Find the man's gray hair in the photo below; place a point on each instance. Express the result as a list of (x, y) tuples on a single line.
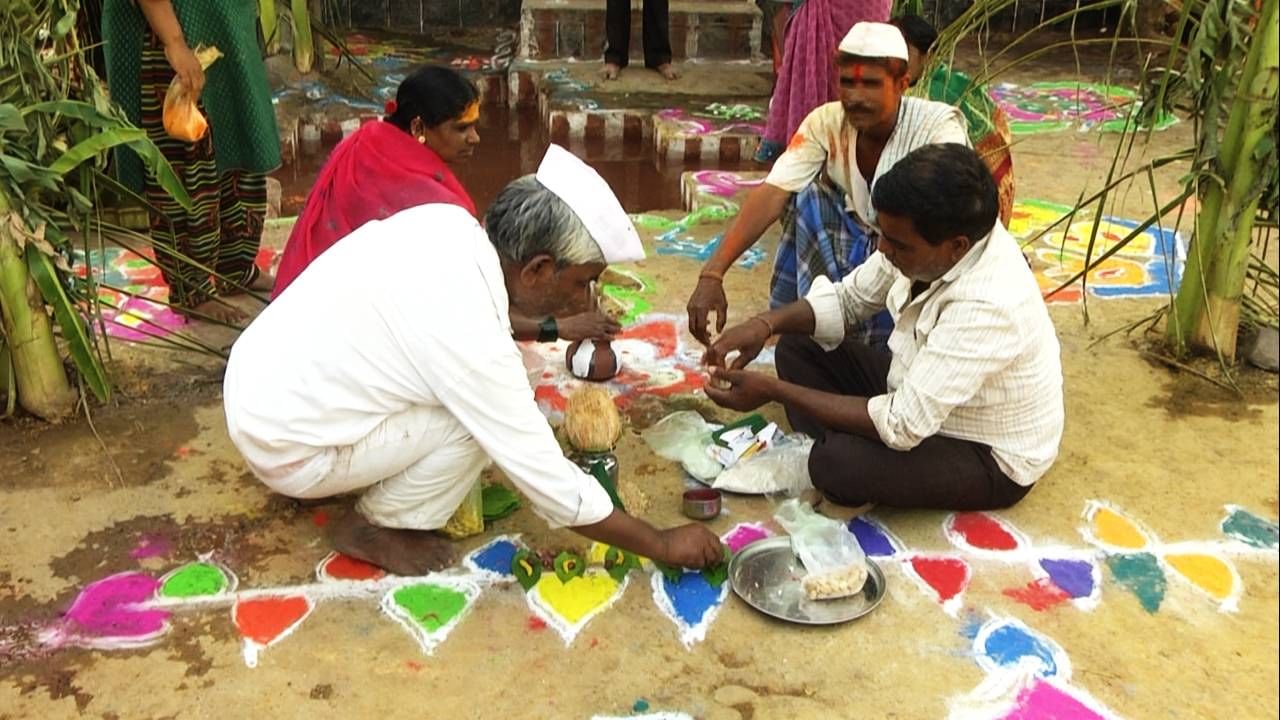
[(527, 220)]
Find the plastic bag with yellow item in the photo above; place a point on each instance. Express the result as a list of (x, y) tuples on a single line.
[(182, 119), (468, 519)]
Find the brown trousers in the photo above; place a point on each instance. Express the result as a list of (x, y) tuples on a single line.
[(940, 473)]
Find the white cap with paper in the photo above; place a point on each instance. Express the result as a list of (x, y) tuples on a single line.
[(593, 201)]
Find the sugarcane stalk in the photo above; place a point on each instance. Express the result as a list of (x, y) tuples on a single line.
[(270, 26), (1207, 308), (42, 386), (304, 52)]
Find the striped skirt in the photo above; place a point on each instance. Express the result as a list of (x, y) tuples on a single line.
[(209, 249)]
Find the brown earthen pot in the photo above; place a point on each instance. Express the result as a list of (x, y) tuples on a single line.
[(593, 360)]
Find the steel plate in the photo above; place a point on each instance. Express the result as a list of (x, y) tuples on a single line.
[(766, 574)]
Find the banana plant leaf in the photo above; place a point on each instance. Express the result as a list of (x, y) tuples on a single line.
[(82, 348)]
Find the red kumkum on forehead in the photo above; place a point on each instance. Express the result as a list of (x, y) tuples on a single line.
[(857, 72)]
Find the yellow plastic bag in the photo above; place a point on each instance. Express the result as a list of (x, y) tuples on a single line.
[(182, 119), (468, 519)]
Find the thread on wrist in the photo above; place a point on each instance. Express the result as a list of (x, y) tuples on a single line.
[(711, 275), (767, 324)]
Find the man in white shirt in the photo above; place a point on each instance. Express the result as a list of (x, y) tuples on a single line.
[(401, 379), (821, 186), (967, 413)]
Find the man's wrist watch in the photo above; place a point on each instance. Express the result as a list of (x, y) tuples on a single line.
[(548, 331)]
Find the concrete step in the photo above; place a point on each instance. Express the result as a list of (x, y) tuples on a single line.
[(700, 29), (714, 112), (702, 189)]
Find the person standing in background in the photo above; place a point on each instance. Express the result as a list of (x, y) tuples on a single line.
[(149, 42), (655, 33)]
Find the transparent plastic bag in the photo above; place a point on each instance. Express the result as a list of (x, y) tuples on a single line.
[(783, 468), (181, 116), (684, 437), (836, 565), (468, 519)]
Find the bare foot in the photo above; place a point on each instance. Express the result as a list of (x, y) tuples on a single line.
[(218, 311), (403, 552), (610, 71), (668, 71), (262, 282)]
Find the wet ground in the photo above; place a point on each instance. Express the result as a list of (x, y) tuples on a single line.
[(1175, 612)]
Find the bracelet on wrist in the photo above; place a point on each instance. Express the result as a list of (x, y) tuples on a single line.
[(548, 330), (711, 275), (768, 325)]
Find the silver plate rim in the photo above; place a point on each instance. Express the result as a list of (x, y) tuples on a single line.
[(874, 573)]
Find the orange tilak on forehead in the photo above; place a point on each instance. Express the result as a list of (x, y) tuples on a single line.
[(857, 72), (471, 113)]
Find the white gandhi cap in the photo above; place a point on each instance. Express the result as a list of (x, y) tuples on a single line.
[(874, 40), (592, 200)]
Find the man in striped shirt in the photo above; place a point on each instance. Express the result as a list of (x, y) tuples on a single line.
[(821, 186), (967, 413)]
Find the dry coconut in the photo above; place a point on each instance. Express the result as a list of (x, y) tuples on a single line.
[(591, 420)]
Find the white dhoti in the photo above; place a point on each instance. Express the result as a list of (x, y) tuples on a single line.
[(417, 467)]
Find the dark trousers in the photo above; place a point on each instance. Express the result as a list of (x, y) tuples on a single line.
[(940, 473), (654, 31)]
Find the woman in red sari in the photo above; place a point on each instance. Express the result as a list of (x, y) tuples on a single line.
[(402, 161), (390, 165)]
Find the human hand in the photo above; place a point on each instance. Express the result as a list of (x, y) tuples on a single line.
[(708, 296), (187, 67), (691, 545), (747, 339), (740, 390), (592, 325)]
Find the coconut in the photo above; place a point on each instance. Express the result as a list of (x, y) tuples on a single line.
[(591, 420)]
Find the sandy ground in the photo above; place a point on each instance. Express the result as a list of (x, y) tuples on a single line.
[(1168, 450)]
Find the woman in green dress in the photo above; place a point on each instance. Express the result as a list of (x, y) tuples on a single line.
[(147, 44)]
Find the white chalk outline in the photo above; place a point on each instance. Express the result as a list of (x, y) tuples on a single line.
[(895, 542), (997, 695), (322, 571), (485, 575), (429, 639), (952, 605), (1091, 508), (761, 527), (958, 540), (252, 648), (569, 631), (1229, 604), (1088, 603), (233, 581), (1060, 658), (1235, 539), (62, 635), (666, 715), (690, 635)]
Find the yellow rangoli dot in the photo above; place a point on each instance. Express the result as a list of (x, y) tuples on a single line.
[(1208, 573), (1115, 529)]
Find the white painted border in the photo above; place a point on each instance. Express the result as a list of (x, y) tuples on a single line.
[(690, 635), (429, 639), (569, 631)]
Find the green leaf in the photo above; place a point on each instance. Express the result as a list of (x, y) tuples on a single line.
[(527, 568), (718, 573), (95, 146), (163, 172), (11, 118), (671, 573), (64, 25), (82, 348), (569, 565), (76, 109), (619, 562), (497, 502)]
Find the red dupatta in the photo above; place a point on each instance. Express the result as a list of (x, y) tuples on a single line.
[(373, 174)]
